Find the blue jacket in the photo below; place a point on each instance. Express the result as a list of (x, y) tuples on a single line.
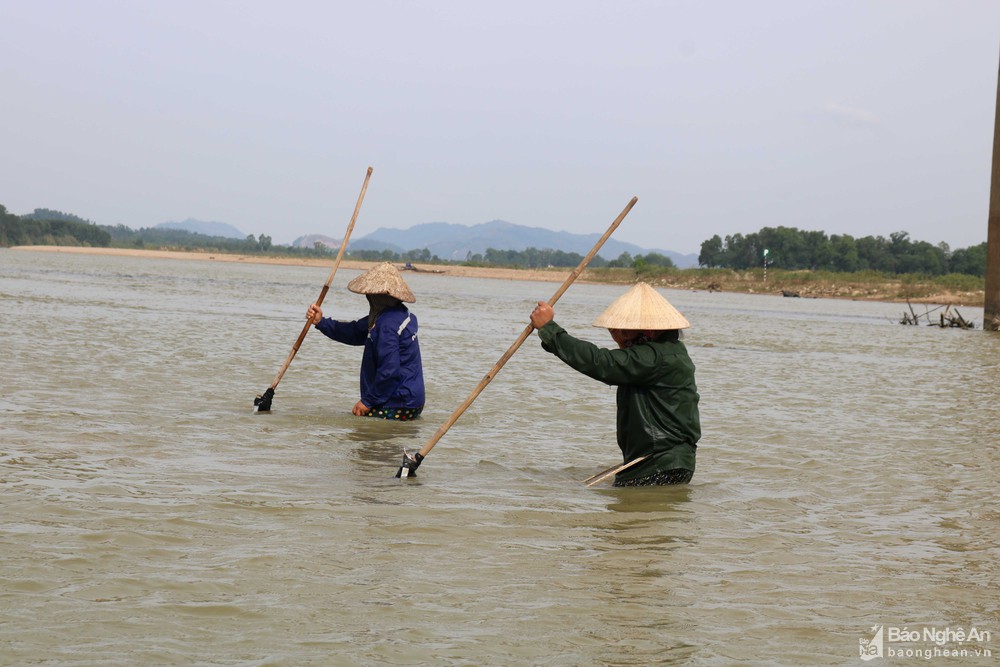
[(391, 373)]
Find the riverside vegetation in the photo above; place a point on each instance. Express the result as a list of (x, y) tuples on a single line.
[(800, 263), (955, 289)]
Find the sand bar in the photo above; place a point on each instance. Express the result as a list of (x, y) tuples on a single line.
[(553, 275), (890, 291)]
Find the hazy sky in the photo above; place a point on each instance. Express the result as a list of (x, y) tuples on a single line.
[(846, 116)]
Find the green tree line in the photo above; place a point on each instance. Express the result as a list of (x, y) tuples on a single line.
[(787, 248), (159, 237), (45, 227), (793, 249), (529, 258), (49, 227)]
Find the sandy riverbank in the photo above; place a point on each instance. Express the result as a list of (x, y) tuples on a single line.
[(889, 291), (554, 275)]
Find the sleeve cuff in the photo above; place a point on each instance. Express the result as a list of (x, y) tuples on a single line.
[(549, 331)]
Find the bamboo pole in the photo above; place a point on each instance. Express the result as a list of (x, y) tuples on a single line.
[(412, 462), (262, 403), (991, 307)]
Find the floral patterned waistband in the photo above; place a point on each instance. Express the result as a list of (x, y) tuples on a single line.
[(400, 414)]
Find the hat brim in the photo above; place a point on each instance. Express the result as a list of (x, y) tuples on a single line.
[(382, 278), (641, 308)]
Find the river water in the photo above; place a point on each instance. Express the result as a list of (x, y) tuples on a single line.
[(847, 480)]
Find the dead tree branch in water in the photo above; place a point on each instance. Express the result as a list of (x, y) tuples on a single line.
[(945, 320)]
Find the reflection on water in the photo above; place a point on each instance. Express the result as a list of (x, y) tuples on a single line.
[(846, 479), (665, 503)]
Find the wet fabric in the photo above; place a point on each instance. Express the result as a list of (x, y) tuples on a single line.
[(657, 397), (399, 414), (664, 477)]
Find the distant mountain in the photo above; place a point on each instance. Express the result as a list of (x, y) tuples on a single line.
[(310, 241), (207, 228), (365, 243), (456, 242)]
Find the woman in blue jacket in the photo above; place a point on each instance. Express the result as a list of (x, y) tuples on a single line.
[(392, 376)]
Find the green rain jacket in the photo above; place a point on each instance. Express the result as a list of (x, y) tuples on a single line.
[(657, 396)]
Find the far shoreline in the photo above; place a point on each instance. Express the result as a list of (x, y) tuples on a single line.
[(685, 282), (320, 262)]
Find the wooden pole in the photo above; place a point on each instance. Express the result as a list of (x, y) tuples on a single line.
[(991, 307), (613, 470), (329, 279), (410, 464), (262, 403), (528, 330)]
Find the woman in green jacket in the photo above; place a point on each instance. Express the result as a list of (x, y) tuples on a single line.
[(657, 397)]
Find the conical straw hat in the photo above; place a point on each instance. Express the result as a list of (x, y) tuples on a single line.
[(641, 309), (382, 278)]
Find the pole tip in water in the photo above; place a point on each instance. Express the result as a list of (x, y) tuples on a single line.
[(410, 464), (263, 401)]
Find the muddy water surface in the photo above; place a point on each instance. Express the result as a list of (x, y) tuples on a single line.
[(847, 479)]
